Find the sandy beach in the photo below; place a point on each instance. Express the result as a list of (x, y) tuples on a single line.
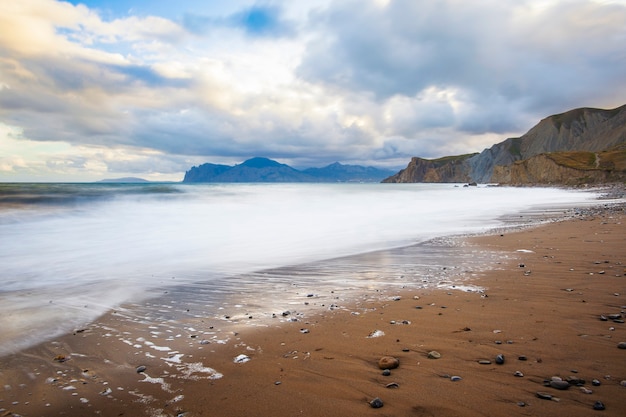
[(553, 306)]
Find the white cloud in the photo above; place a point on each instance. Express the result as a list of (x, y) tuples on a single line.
[(370, 81)]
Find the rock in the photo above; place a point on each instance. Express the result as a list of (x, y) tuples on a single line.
[(386, 372), (596, 382), (562, 385), (388, 362), (376, 403), (141, 369), (455, 378), (433, 354), (392, 385), (484, 362), (500, 359), (599, 405), (518, 374), (586, 390), (543, 395), (522, 358), (621, 345)]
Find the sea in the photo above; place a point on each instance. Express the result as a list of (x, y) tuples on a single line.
[(70, 253)]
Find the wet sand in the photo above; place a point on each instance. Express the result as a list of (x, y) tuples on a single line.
[(543, 301)]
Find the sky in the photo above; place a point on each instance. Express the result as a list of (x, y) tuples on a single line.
[(149, 88)]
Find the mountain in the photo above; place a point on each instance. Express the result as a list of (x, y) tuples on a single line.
[(536, 156), (337, 172), (123, 180), (267, 170)]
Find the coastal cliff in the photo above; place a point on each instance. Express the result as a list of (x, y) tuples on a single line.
[(517, 161)]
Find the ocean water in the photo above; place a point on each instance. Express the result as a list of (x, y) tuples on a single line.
[(70, 252)]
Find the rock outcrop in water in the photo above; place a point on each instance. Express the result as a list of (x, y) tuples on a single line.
[(580, 146)]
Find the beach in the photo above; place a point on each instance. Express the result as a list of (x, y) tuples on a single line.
[(552, 305)]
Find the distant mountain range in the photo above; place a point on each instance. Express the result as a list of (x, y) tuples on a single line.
[(581, 146), (261, 169)]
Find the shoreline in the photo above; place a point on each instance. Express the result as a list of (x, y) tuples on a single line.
[(325, 364)]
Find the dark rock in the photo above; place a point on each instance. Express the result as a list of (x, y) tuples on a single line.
[(500, 359), (562, 385), (386, 372), (376, 403), (392, 385), (596, 382), (599, 405), (518, 374), (141, 369), (522, 358), (543, 395), (455, 378), (621, 345)]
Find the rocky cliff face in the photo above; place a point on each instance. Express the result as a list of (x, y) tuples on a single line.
[(449, 169), (584, 129), (566, 168)]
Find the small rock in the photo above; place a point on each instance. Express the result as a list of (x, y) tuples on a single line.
[(141, 369), (455, 378), (386, 372), (623, 383), (498, 342), (433, 354), (586, 390), (392, 385), (500, 359), (518, 374), (484, 362), (388, 362), (562, 385), (376, 403), (522, 358), (544, 395), (621, 345), (599, 405), (277, 383), (304, 331), (521, 404), (596, 382)]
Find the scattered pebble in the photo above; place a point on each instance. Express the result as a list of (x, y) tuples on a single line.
[(376, 333), (386, 372), (518, 374), (596, 382), (455, 378), (141, 369), (392, 385), (522, 358), (376, 403), (304, 331), (388, 362), (621, 345), (559, 384), (586, 390), (599, 405), (433, 354), (544, 395), (500, 359), (484, 362)]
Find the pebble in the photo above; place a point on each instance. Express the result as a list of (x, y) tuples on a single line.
[(623, 383), (392, 385), (304, 331), (500, 359), (388, 362), (376, 403), (484, 362), (586, 390), (522, 358), (141, 369), (433, 354), (596, 382), (562, 385), (621, 345), (386, 372), (544, 395), (455, 378), (518, 374), (599, 405)]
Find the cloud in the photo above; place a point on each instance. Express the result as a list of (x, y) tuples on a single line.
[(533, 56), (353, 81)]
